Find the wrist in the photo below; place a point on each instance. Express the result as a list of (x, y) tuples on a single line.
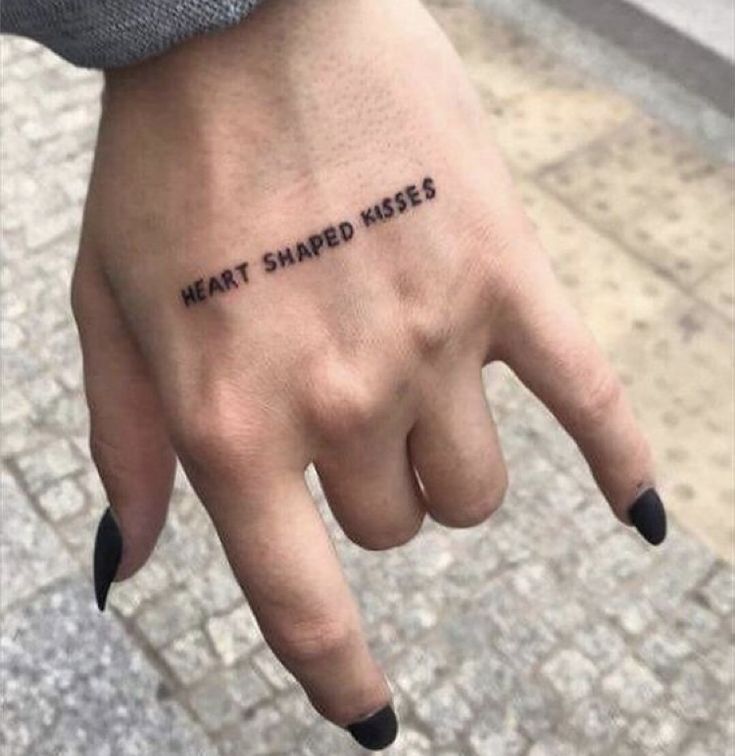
[(273, 55), (322, 77)]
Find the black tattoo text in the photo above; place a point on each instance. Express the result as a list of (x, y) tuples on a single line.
[(310, 247)]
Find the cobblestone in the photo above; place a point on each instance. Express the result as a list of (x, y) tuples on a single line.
[(691, 693), (632, 686), (169, 618), (550, 631), (234, 635), (598, 721), (31, 554), (660, 732), (271, 670), (222, 698), (601, 644), (445, 712), (572, 674), (48, 465), (719, 592), (85, 687), (537, 710), (264, 732), (62, 500), (552, 747), (663, 651), (489, 740), (190, 657)]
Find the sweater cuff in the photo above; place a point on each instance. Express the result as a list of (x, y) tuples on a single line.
[(114, 33)]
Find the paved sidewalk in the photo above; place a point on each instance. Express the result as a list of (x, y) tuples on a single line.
[(712, 24), (549, 631)]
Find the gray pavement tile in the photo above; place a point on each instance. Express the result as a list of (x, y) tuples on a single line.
[(572, 674), (632, 686), (63, 499), (720, 661), (663, 651), (225, 697), (596, 720), (552, 746), (48, 465), (19, 437), (445, 713), (719, 592), (692, 694), (660, 731), (713, 741), (537, 710), (261, 733), (169, 618), (600, 643), (31, 554), (234, 635), (323, 739), (271, 670), (631, 612), (78, 685), (412, 742), (492, 740), (190, 657)]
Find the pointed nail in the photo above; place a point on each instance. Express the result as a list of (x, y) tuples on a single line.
[(376, 732), (107, 555), (649, 517)]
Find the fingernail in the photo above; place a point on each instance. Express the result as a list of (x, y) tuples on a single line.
[(649, 516), (107, 553), (376, 732)]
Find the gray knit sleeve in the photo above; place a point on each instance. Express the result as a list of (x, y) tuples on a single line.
[(112, 33)]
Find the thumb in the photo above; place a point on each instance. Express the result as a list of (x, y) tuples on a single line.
[(128, 440)]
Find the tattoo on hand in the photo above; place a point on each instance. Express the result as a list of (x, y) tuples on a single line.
[(313, 246)]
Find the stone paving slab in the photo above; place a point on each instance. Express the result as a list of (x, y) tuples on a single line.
[(32, 555), (550, 630), (75, 683), (655, 194)]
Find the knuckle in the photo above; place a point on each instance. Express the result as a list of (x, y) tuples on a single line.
[(430, 332), (203, 439), (315, 640), (209, 432), (346, 403), (427, 314), (601, 399)]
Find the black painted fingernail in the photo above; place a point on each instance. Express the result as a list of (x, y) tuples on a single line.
[(649, 516), (377, 731), (107, 553)]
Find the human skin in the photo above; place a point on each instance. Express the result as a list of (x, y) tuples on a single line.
[(365, 358)]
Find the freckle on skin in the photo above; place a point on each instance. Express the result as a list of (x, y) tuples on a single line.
[(402, 389), (405, 286)]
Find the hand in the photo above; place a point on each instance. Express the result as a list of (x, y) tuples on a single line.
[(300, 244)]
